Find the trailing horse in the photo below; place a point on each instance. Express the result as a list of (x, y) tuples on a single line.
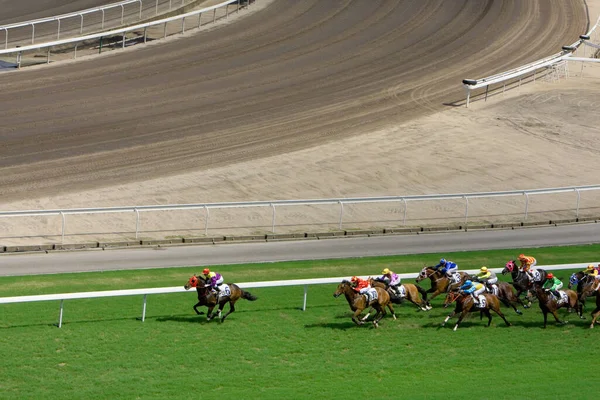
[(548, 304), (439, 281), (358, 303), (465, 304), (508, 297), (412, 293), (206, 297), (586, 285), (596, 312)]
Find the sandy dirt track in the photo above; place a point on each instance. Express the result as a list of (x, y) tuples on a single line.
[(306, 99)]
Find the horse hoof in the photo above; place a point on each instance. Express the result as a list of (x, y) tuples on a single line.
[(519, 312)]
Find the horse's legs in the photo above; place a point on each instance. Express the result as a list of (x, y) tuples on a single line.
[(231, 309), (489, 315), (501, 314), (595, 315), (356, 315), (196, 309), (460, 318), (391, 308), (452, 314), (545, 317), (507, 302), (209, 315), (556, 318)]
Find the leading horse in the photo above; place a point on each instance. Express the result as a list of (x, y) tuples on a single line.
[(548, 304), (440, 283), (209, 299), (358, 303), (465, 304), (413, 294)]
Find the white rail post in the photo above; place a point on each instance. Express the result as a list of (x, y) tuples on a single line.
[(214, 15), (466, 209), (305, 295), (206, 217), (5, 38), (58, 30), (140, 10), (122, 13), (526, 205), (182, 25), (124, 38), (63, 227), (578, 199), (341, 213), (81, 25), (199, 20), (32, 33), (137, 222), (405, 209), (273, 218), (60, 314), (103, 18), (144, 309), (156, 9)]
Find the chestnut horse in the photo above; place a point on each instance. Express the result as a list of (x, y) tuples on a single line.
[(548, 304), (506, 294), (358, 303), (439, 281), (465, 304), (596, 312), (207, 298), (413, 294)]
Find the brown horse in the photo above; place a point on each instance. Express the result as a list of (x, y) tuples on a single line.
[(548, 304), (413, 294), (439, 281), (586, 285), (207, 298), (358, 303), (596, 312), (506, 294), (465, 304)]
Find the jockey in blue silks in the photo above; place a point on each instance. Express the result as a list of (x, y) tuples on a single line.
[(448, 267)]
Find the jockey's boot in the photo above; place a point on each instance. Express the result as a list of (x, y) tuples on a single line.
[(556, 295), (475, 300)]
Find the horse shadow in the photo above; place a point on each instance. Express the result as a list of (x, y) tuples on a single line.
[(342, 326)]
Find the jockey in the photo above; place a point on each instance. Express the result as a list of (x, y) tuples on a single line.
[(553, 284), (213, 279), (487, 277), (448, 267), (360, 285), (474, 289), (527, 264), (592, 271), (392, 279)]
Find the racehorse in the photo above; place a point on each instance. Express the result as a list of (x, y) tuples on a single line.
[(596, 312), (520, 280), (508, 297), (413, 294), (209, 299), (548, 304), (358, 303), (586, 285), (439, 281), (465, 304)]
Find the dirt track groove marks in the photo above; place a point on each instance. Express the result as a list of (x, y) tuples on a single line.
[(291, 76)]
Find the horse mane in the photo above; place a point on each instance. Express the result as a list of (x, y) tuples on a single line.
[(346, 281)]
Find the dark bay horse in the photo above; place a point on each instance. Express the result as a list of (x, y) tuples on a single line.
[(548, 304), (586, 285), (358, 303), (465, 304), (596, 312), (520, 280), (209, 299), (413, 294), (506, 294), (439, 281)]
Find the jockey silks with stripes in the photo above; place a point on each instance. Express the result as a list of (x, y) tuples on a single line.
[(448, 267), (213, 279), (392, 279), (527, 264)]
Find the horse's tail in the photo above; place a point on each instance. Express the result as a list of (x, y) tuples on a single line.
[(422, 291), (248, 296)]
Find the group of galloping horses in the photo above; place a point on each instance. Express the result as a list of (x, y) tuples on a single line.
[(508, 294)]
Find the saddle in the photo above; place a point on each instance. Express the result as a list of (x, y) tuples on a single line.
[(563, 297), (371, 296), (482, 301), (455, 277)]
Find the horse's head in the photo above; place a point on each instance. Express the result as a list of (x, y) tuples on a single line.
[(194, 282), (509, 267), (342, 288), (451, 298), (425, 273), (573, 280)]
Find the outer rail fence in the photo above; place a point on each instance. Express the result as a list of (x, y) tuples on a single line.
[(273, 205), (553, 63), (179, 289), (133, 30)]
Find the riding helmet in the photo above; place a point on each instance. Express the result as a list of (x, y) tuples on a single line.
[(483, 269), (550, 275), (206, 271), (386, 271), (443, 261)]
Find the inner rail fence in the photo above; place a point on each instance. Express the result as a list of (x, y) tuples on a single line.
[(551, 68), (86, 21), (248, 285), (462, 210), (122, 36)]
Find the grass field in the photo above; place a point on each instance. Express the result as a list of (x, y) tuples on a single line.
[(271, 349)]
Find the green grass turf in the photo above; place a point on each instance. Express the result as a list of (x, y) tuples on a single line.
[(272, 349)]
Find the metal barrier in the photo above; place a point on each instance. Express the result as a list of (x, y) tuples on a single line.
[(92, 19), (179, 289)]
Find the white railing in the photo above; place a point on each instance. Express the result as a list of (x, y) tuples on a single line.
[(123, 31), (248, 285), (528, 69), (274, 204), (97, 18)]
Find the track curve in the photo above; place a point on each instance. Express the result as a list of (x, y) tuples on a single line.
[(292, 76)]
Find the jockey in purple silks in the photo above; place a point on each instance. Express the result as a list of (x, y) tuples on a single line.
[(213, 279)]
